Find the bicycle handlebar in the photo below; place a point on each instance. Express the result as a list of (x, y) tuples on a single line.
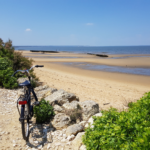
[(27, 70), (39, 66)]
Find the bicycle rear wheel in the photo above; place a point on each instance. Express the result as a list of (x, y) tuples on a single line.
[(25, 121)]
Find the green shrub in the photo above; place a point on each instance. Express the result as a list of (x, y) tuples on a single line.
[(6, 49), (5, 63), (21, 62), (6, 72), (10, 61), (126, 130), (43, 112)]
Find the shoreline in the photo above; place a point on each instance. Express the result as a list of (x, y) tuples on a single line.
[(115, 89)]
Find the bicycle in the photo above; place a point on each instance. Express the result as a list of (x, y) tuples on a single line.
[(26, 112)]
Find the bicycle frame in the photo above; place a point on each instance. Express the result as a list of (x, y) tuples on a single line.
[(27, 98), (24, 100)]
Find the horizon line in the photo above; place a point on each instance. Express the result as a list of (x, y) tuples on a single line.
[(82, 45)]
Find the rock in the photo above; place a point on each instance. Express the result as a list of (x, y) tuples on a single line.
[(20, 92), (63, 140), (57, 144), (89, 109), (74, 129), (14, 145), (52, 133), (39, 88), (36, 142), (44, 93), (77, 142), (39, 146), (21, 80), (68, 143), (60, 97), (91, 120), (72, 105), (83, 147), (61, 121), (70, 137), (83, 123), (64, 135), (48, 146), (58, 109)]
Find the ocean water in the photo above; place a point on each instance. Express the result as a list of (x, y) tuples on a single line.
[(91, 49), (98, 50), (106, 68)]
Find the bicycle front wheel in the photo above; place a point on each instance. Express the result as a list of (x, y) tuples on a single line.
[(25, 122)]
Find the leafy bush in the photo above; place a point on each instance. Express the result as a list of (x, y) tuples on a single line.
[(21, 62), (43, 112), (6, 49), (126, 130), (6, 72), (10, 61)]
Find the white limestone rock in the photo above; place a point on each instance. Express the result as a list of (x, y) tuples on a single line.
[(70, 137), (83, 147), (77, 142), (58, 109), (60, 97), (61, 121), (89, 109), (74, 129), (73, 105), (91, 120)]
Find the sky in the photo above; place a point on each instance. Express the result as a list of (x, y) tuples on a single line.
[(75, 22)]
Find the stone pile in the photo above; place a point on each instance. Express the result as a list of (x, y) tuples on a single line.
[(64, 132), (68, 132)]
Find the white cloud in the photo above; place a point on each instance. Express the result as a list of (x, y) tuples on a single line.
[(89, 24), (28, 29)]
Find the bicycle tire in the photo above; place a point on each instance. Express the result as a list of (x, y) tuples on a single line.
[(25, 122)]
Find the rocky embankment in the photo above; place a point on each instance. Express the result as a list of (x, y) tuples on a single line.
[(65, 130)]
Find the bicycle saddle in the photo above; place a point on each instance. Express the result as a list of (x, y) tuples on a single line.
[(26, 83)]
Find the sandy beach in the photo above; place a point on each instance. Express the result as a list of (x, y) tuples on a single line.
[(108, 89)]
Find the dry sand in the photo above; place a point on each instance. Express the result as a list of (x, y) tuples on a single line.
[(106, 88)]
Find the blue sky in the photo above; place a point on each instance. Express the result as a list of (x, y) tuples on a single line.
[(75, 22)]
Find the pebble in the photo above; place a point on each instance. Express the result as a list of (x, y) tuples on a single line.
[(63, 140), (57, 144), (52, 133), (48, 146), (64, 135), (71, 137), (36, 142), (39, 146), (14, 141), (14, 145), (68, 143)]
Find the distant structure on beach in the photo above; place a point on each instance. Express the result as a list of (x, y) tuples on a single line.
[(44, 51)]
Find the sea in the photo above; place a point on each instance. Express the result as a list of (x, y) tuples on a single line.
[(91, 49), (108, 50)]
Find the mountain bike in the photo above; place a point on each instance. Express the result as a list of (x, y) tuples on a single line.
[(26, 111)]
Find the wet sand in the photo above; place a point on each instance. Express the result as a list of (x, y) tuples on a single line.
[(106, 88)]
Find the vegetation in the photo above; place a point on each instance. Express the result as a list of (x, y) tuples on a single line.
[(6, 71), (10, 61), (126, 130), (43, 112)]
